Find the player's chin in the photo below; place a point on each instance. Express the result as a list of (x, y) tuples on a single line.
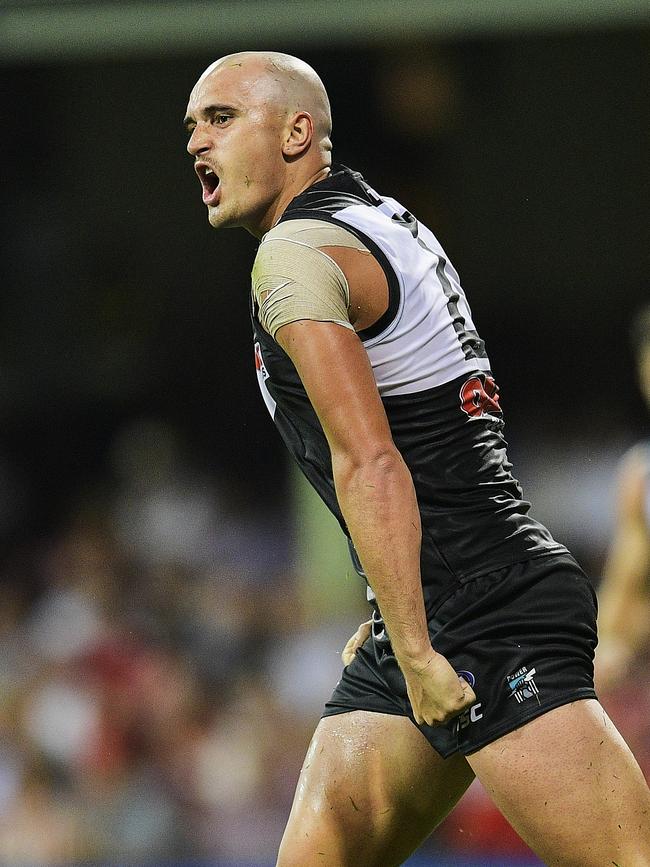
[(217, 217), (220, 219)]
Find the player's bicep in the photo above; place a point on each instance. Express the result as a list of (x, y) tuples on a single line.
[(335, 370), (293, 281)]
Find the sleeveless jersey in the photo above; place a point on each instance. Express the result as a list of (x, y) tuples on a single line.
[(433, 376)]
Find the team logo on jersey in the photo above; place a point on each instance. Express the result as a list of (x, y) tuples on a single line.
[(259, 362), (262, 376), (522, 684), (479, 396)]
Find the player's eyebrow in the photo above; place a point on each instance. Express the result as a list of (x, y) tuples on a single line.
[(207, 112)]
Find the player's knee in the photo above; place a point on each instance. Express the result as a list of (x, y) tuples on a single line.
[(304, 850), (322, 837)]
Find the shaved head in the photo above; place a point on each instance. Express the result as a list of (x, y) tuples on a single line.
[(259, 124), (290, 82)]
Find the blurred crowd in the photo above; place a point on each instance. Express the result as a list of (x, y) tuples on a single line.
[(160, 678), (145, 711)]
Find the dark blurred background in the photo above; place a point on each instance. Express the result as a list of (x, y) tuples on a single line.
[(162, 570)]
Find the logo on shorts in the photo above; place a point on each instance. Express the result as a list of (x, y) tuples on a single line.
[(474, 713), (471, 715), (468, 676), (522, 684)]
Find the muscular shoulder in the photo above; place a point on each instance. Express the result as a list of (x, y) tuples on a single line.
[(294, 279), (313, 233), (308, 269)]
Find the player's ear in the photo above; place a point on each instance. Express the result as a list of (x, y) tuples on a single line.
[(300, 131)]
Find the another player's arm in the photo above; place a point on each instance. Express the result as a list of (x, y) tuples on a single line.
[(624, 598), (377, 498)]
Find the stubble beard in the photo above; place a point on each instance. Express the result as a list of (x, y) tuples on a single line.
[(218, 219)]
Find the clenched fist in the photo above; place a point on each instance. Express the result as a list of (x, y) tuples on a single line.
[(437, 694)]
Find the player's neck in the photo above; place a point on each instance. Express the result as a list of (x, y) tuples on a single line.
[(293, 189)]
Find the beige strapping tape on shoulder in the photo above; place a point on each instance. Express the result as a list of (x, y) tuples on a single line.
[(292, 279)]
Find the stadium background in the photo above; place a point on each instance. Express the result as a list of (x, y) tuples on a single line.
[(172, 598)]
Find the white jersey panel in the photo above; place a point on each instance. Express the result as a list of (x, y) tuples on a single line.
[(420, 348)]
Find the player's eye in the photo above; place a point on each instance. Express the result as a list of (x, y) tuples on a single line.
[(220, 119)]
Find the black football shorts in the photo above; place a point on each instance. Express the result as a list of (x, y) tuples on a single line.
[(523, 636)]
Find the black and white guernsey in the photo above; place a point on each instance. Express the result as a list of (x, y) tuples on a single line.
[(433, 375)]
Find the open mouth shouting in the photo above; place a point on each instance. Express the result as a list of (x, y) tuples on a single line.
[(210, 183)]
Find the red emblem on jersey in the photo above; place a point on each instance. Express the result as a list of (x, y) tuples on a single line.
[(259, 362), (480, 396)]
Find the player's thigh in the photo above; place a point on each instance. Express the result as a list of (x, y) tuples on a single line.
[(371, 789), (572, 789)]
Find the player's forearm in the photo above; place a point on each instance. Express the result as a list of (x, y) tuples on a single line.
[(624, 596), (624, 618), (379, 505)]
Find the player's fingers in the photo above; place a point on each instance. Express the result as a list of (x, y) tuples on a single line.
[(363, 632), (355, 642), (441, 715), (469, 696), (433, 719), (349, 651)]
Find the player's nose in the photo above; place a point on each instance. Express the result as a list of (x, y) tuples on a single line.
[(198, 142)]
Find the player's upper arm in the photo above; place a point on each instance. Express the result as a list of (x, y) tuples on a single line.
[(302, 280), (334, 368), (312, 269), (294, 278)]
